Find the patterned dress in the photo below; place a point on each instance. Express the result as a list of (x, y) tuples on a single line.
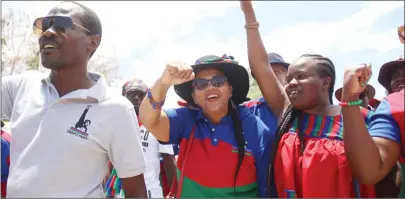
[(321, 170)]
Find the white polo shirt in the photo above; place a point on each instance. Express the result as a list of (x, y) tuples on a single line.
[(61, 146), (152, 150)]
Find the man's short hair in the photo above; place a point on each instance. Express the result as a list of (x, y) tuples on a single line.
[(90, 21)]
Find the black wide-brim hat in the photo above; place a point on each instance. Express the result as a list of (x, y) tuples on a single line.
[(236, 74), (386, 70)]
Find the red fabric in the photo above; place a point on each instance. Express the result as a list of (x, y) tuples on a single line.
[(165, 183), (3, 189), (321, 172), (6, 136)]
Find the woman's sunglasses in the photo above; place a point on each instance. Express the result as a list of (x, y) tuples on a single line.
[(216, 81), (62, 24)]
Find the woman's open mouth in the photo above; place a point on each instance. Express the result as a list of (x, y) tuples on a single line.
[(212, 97)]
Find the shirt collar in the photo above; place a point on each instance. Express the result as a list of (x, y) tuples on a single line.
[(95, 93), (243, 113)]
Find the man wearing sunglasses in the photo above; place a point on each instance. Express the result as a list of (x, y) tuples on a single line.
[(68, 125)]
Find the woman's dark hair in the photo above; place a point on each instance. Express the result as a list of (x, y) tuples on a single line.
[(240, 139), (288, 117), (325, 69)]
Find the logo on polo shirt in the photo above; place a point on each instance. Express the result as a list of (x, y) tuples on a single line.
[(80, 129), (247, 151), (290, 193)]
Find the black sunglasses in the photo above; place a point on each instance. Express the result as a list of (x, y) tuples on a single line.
[(62, 24), (216, 81)]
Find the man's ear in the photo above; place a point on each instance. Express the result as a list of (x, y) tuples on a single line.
[(94, 42), (230, 90)]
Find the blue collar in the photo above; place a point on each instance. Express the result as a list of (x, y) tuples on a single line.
[(243, 113)]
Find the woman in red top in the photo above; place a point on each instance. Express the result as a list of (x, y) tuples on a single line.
[(308, 154)]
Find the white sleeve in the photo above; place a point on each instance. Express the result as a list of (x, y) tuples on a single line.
[(125, 150), (166, 148), (9, 87)]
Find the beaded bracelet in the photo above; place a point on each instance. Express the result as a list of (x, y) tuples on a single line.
[(155, 105), (355, 103), (252, 25)]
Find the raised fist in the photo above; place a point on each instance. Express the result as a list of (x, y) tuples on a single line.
[(355, 80), (246, 5), (177, 73)]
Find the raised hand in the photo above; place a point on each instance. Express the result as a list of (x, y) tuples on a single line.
[(177, 72), (355, 80), (246, 5)]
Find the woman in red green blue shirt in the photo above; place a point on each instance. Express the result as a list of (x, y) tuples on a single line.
[(223, 147), (373, 152)]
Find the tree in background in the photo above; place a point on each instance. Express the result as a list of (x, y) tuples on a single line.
[(20, 50), (19, 44), (254, 90), (104, 64)]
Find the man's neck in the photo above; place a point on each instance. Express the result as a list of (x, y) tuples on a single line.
[(70, 79)]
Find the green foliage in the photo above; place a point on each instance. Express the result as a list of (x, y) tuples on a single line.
[(254, 90)]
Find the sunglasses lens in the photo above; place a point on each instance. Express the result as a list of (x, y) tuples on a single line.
[(218, 81), (200, 84), (60, 23)]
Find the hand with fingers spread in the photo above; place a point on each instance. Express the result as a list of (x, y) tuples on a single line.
[(355, 81), (177, 72)]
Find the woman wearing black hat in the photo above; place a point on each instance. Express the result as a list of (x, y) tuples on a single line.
[(223, 147), (373, 152)]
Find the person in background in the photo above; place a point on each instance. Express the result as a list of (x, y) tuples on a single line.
[(367, 95), (135, 91), (373, 152), (279, 66), (67, 125), (223, 147), (5, 159), (259, 107)]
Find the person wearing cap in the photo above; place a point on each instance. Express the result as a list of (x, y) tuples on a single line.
[(367, 95), (279, 66), (5, 159), (373, 152), (135, 91), (259, 106), (223, 147)]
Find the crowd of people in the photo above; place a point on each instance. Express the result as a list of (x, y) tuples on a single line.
[(73, 136)]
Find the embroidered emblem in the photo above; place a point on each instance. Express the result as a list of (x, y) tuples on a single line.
[(290, 193), (80, 129)]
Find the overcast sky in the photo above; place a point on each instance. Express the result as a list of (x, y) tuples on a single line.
[(145, 35)]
